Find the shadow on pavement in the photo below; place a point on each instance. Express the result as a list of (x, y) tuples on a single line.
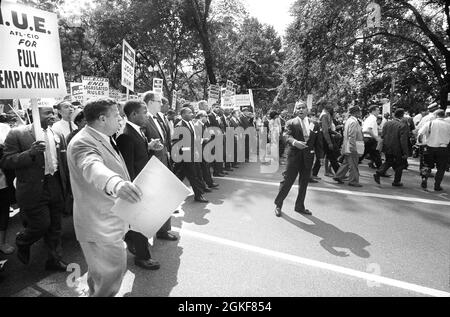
[(333, 237)]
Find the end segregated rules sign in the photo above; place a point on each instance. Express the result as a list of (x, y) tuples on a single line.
[(30, 54)]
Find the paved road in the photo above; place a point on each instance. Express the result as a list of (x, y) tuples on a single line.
[(373, 241)]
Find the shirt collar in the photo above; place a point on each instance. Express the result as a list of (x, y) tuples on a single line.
[(135, 126)]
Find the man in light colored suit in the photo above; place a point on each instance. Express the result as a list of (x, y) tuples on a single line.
[(99, 176), (352, 133)]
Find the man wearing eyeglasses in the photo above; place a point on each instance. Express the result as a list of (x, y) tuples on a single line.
[(157, 128)]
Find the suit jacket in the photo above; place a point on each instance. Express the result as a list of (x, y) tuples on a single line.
[(294, 132), (189, 147), (395, 136), (152, 132), (352, 133), (30, 172), (134, 149), (92, 163)]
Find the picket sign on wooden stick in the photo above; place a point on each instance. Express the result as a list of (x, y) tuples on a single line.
[(36, 120)]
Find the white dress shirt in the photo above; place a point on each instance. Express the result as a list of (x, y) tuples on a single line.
[(437, 133), (137, 128), (370, 122), (53, 160), (63, 127), (160, 130)]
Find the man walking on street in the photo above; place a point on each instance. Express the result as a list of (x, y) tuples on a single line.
[(394, 136), (352, 135), (371, 138), (303, 137), (436, 153), (99, 176)]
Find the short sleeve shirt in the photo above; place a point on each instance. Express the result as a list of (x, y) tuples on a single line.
[(370, 122)]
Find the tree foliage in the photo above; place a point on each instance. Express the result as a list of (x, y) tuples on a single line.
[(331, 53)]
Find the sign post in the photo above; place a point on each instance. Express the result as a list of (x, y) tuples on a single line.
[(158, 85), (128, 66)]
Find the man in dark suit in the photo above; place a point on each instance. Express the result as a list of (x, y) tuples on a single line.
[(42, 186), (395, 136), (204, 167), (134, 147), (157, 128), (186, 167), (303, 138), (214, 121)]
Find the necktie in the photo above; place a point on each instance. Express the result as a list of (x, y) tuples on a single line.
[(70, 127), (160, 129), (143, 134), (49, 168), (113, 144), (304, 130)]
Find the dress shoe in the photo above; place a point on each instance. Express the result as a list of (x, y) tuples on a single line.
[(397, 184), (56, 265), (3, 265), (213, 185), (438, 189), (278, 211), (207, 190), (317, 178), (338, 180), (166, 236), (385, 175), (7, 249), (355, 185), (149, 264), (201, 199), (23, 253), (312, 181), (304, 212), (376, 177)]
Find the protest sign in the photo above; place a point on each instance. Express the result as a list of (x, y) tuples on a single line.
[(242, 100), (309, 102), (174, 99), (94, 87), (128, 65), (30, 54), (76, 91), (158, 85), (162, 192), (387, 108), (213, 94)]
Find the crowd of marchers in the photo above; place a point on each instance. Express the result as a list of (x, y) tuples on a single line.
[(91, 153)]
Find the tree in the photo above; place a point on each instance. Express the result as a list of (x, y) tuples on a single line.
[(331, 51)]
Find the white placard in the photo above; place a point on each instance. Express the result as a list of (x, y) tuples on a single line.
[(128, 65), (243, 100), (158, 85), (309, 102), (387, 108), (76, 91), (94, 87), (30, 53), (163, 193), (174, 99)]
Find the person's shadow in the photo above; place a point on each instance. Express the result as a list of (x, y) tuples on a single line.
[(333, 237)]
